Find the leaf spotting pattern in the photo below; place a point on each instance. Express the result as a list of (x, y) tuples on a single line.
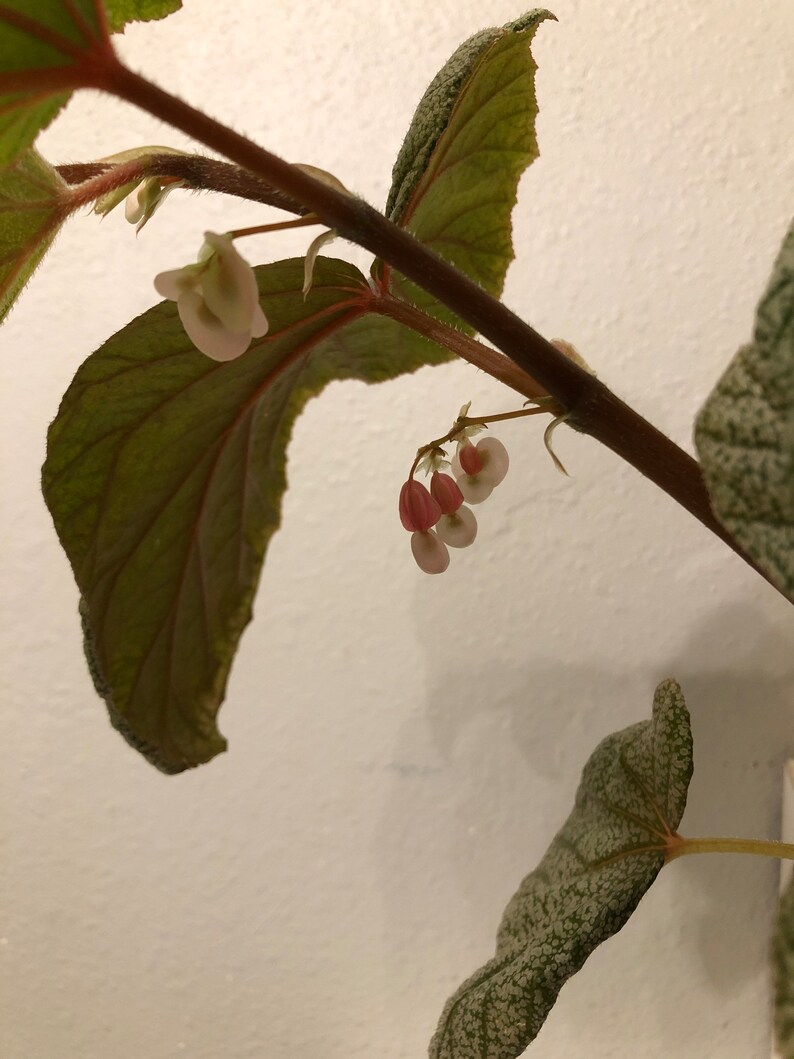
[(630, 800)]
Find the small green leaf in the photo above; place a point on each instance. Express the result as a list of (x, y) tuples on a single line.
[(164, 476), (47, 49), (31, 213), (455, 179), (745, 433), (598, 867), (783, 965), (120, 12)]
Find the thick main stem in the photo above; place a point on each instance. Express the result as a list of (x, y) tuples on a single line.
[(593, 408)]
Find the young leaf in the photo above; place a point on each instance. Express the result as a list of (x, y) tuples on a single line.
[(455, 179), (120, 12), (164, 477), (745, 433), (31, 213), (783, 964), (598, 867), (47, 49)]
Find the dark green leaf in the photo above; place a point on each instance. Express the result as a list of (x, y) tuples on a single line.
[(745, 433), (783, 962), (47, 49), (30, 217), (473, 134), (609, 851), (164, 476)]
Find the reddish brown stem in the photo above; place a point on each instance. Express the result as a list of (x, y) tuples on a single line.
[(592, 408)]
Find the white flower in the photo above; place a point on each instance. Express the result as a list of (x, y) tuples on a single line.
[(217, 299), (146, 198)]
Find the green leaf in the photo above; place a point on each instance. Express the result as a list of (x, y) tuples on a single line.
[(599, 865), (783, 965), (31, 213), (120, 12), (164, 477), (472, 136), (47, 49), (745, 433)]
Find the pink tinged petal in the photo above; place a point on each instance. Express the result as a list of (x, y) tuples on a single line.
[(176, 282), (206, 331), (229, 284), (418, 510), (446, 492), (430, 553), (475, 488), (495, 460), (469, 458), (459, 529)]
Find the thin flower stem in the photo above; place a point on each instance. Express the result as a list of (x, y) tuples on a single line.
[(592, 408), (279, 226), (467, 421), (678, 846)]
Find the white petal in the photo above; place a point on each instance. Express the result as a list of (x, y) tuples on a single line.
[(207, 332), (176, 282), (133, 206), (229, 285), (459, 529), (315, 247), (495, 460), (475, 488), (430, 553), (259, 324)]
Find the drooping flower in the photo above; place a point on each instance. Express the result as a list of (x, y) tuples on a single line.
[(480, 468), (217, 299), (457, 526)]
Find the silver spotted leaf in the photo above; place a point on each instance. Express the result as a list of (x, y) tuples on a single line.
[(603, 860), (745, 433)]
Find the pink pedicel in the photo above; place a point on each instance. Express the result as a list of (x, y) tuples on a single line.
[(446, 491), (419, 512)]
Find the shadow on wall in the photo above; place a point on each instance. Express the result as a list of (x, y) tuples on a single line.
[(485, 773)]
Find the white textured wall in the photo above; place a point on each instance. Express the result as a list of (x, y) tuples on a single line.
[(402, 748)]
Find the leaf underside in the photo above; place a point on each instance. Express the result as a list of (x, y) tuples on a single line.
[(596, 870), (30, 218), (164, 477), (783, 965), (456, 177), (745, 433)]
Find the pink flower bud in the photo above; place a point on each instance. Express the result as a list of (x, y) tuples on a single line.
[(469, 458), (419, 512), (446, 491), (430, 552)]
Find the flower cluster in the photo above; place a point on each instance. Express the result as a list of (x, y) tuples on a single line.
[(217, 299), (438, 518)]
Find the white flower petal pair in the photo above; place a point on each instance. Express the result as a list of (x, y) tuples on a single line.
[(217, 299)]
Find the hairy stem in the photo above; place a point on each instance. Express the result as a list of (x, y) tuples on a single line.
[(681, 847), (592, 408), (197, 172)]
